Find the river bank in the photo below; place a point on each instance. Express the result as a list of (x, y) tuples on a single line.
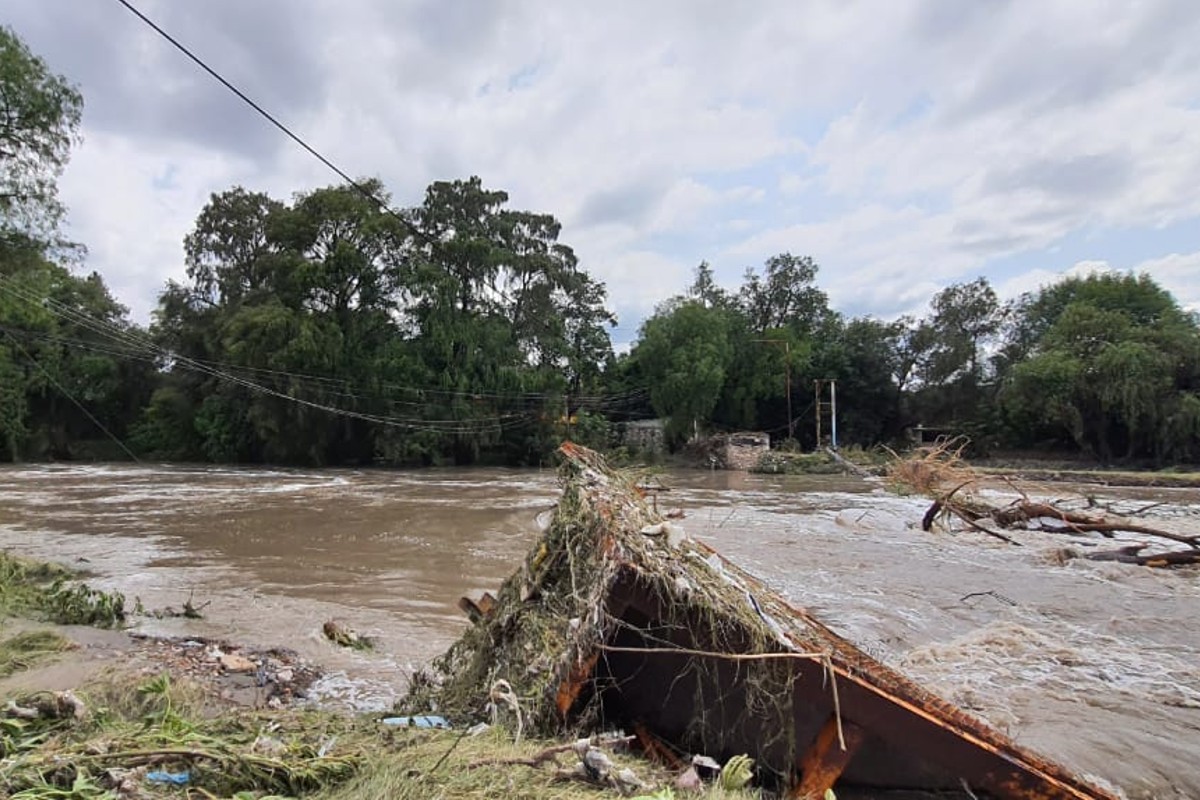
[(856, 461), (97, 713), (1093, 663)]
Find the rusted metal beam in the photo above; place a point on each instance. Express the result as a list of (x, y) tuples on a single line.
[(655, 749), (826, 759), (573, 685)]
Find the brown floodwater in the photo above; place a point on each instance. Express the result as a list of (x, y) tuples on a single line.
[(1094, 664)]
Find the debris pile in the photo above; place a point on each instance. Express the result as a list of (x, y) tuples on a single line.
[(247, 677), (344, 636), (939, 472), (616, 620), (132, 738)]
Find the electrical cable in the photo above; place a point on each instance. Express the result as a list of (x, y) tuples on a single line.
[(413, 229), (70, 397), (152, 351)]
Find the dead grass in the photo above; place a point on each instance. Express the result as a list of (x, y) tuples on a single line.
[(933, 471), (130, 729), (28, 649), (444, 764)]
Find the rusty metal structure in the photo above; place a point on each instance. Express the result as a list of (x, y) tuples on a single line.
[(617, 619)]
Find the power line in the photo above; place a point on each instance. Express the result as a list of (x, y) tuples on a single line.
[(413, 229), (69, 396), (145, 349), (331, 385), (152, 351), (119, 335)]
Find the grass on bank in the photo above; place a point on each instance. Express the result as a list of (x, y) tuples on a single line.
[(130, 731), (1165, 478), (106, 740), (25, 650), (50, 593)]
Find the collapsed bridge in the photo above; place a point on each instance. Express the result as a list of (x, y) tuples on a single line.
[(616, 619)]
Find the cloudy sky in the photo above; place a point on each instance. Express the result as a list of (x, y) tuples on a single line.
[(904, 144)]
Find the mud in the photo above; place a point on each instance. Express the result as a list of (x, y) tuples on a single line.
[(1094, 664)]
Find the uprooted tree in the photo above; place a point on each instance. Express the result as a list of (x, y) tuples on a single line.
[(939, 473)]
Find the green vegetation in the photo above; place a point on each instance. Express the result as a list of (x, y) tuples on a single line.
[(107, 741), (327, 330), (47, 592), (109, 738)]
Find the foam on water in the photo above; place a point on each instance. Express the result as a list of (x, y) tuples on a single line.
[(1096, 664)]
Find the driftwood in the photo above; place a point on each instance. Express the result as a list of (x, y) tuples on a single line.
[(1026, 514), (939, 473), (847, 464), (1133, 555), (1027, 511), (968, 516)]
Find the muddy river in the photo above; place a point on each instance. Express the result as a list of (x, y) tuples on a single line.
[(1094, 664)]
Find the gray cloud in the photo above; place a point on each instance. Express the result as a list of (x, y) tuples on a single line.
[(934, 23), (626, 204), (136, 84), (1074, 178), (933, 136), (1065, 55)]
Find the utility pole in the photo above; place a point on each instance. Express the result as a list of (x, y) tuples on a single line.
[(817, 410), (833, 411), (787, 378), (819, 407)]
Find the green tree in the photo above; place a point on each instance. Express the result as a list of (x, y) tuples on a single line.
[(1113, 365), (951, 380), (869, 361), (685, 354), (705, 288), (278, 292), (785, 295), (66, 362), (325, 315), (38, 124), (965, 317), (498, 303)]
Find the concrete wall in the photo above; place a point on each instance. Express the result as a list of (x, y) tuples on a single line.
[(742, 451), (645, 435)]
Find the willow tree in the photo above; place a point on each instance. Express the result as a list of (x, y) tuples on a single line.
[(685, 354), (1113, 362), (501, 312), (39, 124)]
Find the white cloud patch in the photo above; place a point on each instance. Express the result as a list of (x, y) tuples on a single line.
[(133, 219), (1179, 273), (903, 145)]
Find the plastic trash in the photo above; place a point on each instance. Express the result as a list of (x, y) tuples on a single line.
[(417, 722), (175, 778)]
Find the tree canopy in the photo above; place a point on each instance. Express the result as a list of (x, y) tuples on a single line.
[(1112, 364), (333, 328), (449, 330), (39, 121)]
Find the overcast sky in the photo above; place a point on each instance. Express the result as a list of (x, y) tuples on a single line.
[(904, 144)]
